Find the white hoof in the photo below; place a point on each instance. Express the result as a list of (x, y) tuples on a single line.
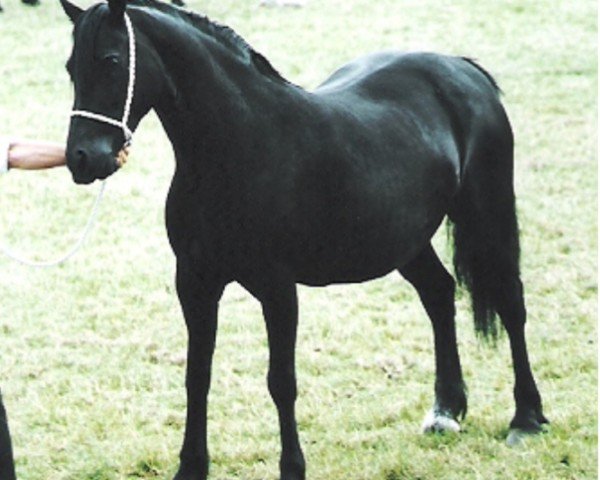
[(437, 422)]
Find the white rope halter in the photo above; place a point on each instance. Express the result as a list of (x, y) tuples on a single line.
[(122, 124), (128, 134)]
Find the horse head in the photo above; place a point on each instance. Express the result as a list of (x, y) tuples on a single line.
[(107, 59)]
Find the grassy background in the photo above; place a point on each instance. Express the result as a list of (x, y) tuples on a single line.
[(92, 353)]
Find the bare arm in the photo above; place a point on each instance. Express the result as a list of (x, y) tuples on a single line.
[(37, 155), (30, 155)]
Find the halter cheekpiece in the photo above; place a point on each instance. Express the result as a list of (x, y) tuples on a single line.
[(122, 124)]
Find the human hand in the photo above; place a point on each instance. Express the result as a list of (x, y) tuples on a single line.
[(122, 156)]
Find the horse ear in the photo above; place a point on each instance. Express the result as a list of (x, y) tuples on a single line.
[(117, 7), (72, 11)]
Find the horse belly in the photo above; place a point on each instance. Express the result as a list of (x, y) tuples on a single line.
[(348, 265), (350, 248)]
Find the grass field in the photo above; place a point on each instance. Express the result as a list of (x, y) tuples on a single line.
[(92, 352)]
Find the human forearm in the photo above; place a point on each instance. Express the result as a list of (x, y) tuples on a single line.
[(38, 155), (32, 155)]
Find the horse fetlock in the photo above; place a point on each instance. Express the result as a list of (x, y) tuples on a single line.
[(293, 475), (451, 400), (195, 468), (189, 476), (293, 467), (529, 420)]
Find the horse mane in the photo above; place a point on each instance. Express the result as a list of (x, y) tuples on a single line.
[(222, 33)]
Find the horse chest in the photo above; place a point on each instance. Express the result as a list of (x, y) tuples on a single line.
[(211, 226)]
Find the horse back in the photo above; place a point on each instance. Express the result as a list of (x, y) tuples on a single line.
[(442, 106), (407, 75)]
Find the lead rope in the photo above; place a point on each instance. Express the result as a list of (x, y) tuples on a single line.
[(127, 133), (53, 263)]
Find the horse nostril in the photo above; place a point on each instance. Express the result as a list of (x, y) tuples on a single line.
[(80, 159)]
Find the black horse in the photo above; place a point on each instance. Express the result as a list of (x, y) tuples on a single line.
[(276, 186)]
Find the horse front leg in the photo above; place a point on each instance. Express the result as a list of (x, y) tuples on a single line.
[(199, 296), (280, 309)]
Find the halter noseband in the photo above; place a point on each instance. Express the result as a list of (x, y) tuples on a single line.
[(122, 124)]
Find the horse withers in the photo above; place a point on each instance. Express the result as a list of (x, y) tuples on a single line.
[(276, 186)]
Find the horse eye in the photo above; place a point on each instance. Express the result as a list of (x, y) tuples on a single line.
[(111, 58)]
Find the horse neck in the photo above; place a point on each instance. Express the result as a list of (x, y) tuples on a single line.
[(217, 93)]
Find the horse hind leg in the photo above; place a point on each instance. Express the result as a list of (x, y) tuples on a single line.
[(529, 417), (506, 296), (436, 288)]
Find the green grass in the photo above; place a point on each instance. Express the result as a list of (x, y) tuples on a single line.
[(92, 353)]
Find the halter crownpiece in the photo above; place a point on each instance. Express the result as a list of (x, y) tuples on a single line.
[(122, 124)]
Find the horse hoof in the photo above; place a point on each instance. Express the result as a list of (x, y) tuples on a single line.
[(517, 437), (438, 422)]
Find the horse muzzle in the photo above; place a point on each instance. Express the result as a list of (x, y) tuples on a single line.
[(89, 164)]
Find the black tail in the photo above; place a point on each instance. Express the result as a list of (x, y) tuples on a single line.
[(486, 253), (484, 221)]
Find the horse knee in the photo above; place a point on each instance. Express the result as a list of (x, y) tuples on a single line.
[(282, 385)]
